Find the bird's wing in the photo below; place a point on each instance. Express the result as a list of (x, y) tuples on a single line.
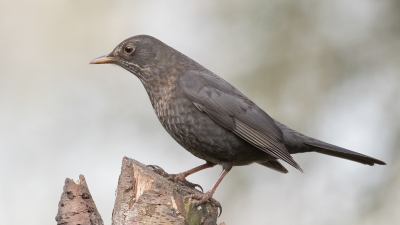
[(233, 111)]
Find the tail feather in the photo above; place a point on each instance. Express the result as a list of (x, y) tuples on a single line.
[(296, 142), (332, 150), (275, 165)]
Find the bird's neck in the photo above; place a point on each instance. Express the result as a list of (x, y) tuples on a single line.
[(161, 85)]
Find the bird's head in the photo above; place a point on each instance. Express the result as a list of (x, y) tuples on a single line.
[(136, 54)]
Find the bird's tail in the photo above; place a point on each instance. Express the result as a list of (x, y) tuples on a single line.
[(296, 142), (332, 150)]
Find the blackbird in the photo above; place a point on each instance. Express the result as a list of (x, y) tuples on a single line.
[(209, 117)]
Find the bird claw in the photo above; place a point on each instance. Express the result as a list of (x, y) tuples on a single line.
[(158, 170), (180, 178), (204, 198), (177, 178)]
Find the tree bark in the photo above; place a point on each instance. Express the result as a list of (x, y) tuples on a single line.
[(142, 197), (76, 205)]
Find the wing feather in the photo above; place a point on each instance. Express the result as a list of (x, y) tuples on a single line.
[(233, 111)]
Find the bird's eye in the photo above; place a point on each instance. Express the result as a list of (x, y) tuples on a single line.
[(129, 49)]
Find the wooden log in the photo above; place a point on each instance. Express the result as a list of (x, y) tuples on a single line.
[(142, 197), (76, 205)]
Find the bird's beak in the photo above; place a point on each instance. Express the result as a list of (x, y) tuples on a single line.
[(103, 59)]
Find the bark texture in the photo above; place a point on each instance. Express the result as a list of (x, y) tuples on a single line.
[(144, 197), (76, 205)]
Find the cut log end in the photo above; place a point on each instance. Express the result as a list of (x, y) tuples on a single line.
[(144, 197)]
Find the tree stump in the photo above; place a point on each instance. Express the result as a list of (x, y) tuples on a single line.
[(76, 205), (143, 197)]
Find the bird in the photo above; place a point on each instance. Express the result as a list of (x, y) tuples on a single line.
[(210, 118)]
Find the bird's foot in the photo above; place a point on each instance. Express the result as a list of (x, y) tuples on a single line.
[(177, 178), (158, 170), (202, 198)]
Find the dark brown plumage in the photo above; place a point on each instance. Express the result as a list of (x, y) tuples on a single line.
[(209, 117)]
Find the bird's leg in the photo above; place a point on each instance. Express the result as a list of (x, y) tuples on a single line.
[(181, 177), (208, 195)]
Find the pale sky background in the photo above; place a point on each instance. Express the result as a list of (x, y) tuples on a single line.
[(329, 69)]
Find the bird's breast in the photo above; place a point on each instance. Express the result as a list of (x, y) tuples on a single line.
[(199, 134), (195, 130)]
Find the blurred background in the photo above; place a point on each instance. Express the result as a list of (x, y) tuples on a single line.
[(329, 69)]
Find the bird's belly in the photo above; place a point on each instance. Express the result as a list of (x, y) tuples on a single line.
[(206, 139)]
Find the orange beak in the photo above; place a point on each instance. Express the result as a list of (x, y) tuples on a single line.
[(103, 59)]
